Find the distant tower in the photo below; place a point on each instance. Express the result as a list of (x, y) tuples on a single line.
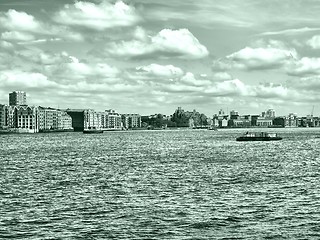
[(234, 114), (17, 98), (271, 113)]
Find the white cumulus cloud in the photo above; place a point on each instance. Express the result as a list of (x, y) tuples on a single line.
[(19, 21), (261, 58), (98, 16), (314, 42), (272, 90), (304, 67), (167, 43), (14, 78), (162, 71)]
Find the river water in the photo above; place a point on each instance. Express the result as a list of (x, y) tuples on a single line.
[(182, 184)]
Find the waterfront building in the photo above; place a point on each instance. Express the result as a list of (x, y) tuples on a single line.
[(291, 120), (101, 116), (91, 119), (46, 119), (223, 123), (312, 121), (66, 121), (54, 119), (84, 119), (316, 122), (17, 98), (113, 120), (241, 123), (264, 122), (27, 118), (308, 121), (221, 120), (130, 121), (3, 116), (77, 116), (23, 118), (305, 122)]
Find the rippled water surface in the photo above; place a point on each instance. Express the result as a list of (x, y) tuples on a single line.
[(160, 185)]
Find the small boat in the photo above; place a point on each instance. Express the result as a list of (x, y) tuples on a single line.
[(91, 130), (259, 136)]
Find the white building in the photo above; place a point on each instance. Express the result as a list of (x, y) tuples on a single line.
[(112, 120), (130, 121), (54, 119), (264, 122)]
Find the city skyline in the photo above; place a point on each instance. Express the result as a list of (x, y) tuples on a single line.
[(17, 98), (146, 57)]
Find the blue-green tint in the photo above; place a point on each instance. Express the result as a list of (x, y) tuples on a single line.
[(187, 184)]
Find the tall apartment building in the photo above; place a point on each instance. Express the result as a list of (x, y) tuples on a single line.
[(130, 121), (17, 98)]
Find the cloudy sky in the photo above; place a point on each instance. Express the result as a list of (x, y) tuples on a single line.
[(147, 56)]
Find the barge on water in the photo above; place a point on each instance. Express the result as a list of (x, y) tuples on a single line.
[(259, 136)]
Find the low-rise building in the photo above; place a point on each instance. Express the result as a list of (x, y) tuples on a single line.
[(91, 119), (291, 120), (54, 119), (131, 121), (221, 120), (3, 116), (316, 121), (264, 122), (240, 123), (84, 119), (20, 118), (77, 116), (113, 120)]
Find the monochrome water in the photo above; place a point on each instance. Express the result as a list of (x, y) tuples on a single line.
[(166, 184)]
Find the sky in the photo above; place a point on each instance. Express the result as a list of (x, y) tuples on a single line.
[(147, 56)]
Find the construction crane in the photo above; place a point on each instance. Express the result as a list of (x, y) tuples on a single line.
[(311, 117)]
